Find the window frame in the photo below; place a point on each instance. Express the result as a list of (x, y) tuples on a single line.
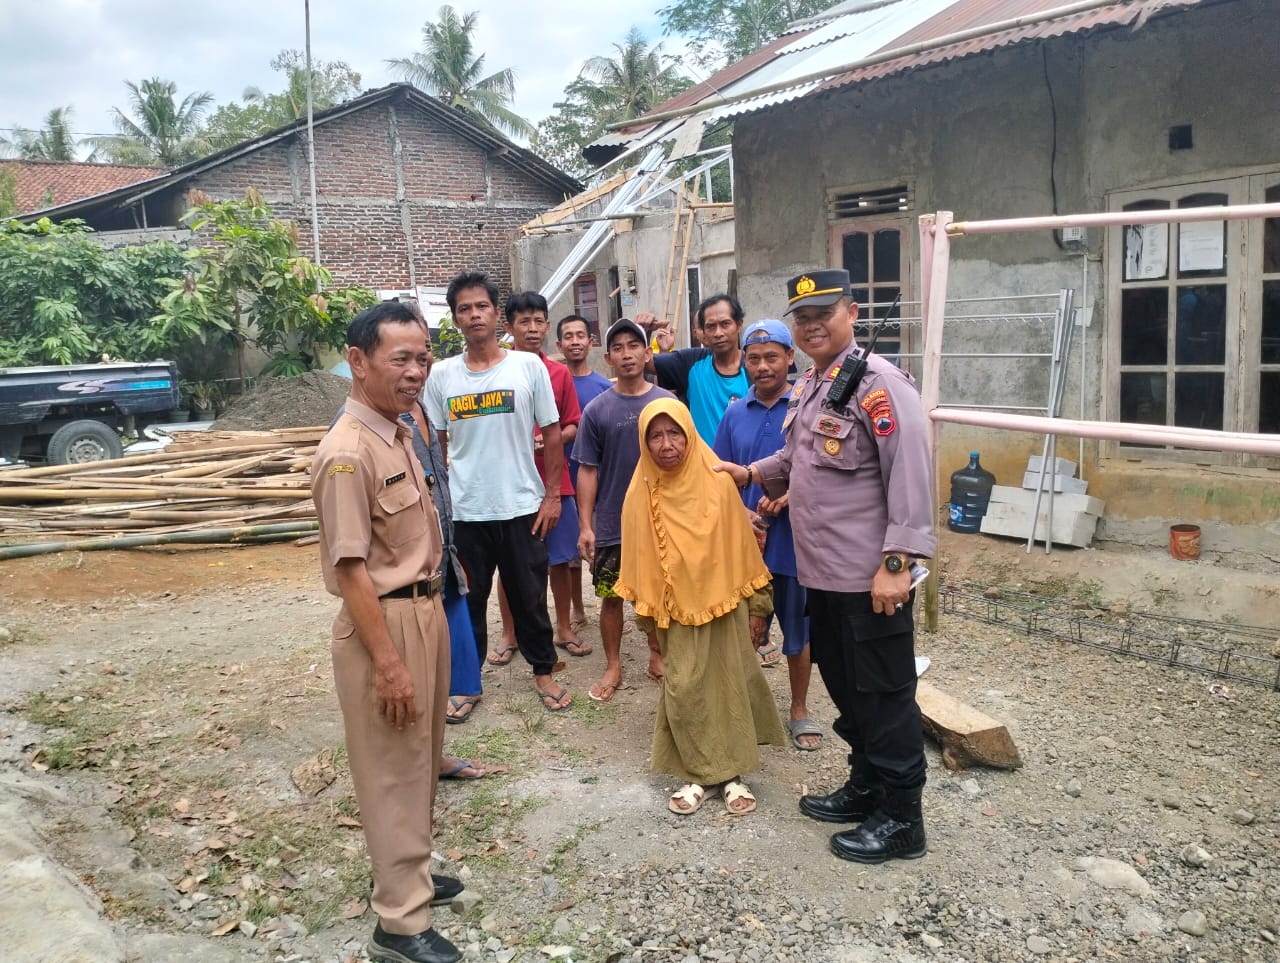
[(1243, 278), (905, 224)]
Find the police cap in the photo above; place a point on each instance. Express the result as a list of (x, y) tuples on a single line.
[(817, 288)]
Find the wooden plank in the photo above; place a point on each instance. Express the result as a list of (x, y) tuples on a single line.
[(967, 737)]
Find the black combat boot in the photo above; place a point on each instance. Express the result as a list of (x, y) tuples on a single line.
[(851, 803), (894, 831)]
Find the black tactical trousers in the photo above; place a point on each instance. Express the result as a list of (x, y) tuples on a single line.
[(867, 662)]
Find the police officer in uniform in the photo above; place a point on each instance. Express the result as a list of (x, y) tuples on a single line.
[(861, 506), (381, 550)]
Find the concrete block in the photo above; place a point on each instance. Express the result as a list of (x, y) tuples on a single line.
[(1006, 495), (1061, 466), (1060, 483), (1069, 527)]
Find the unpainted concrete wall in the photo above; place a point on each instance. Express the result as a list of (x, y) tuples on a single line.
[(1023, 131)]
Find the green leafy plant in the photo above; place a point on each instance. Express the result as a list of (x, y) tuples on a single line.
[(253, 283), (66, 299), (450, 341)]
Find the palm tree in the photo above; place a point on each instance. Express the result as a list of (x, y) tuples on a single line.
[(161, 129), (52, 142), (448, 68), (631, 84)]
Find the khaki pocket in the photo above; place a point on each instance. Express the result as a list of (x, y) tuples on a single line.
[(398, 519)]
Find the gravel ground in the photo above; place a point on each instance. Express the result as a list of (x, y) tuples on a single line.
[(1144, 824)]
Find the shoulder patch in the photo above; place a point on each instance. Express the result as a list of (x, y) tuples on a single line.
[(334, 469), (874, 398)]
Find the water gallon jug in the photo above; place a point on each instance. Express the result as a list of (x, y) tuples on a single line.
[(970, 494)]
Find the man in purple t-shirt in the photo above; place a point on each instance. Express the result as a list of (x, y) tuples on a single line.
[(607, 450)]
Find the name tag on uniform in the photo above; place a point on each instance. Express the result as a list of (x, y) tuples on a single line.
[(392, 479), (828, 426)]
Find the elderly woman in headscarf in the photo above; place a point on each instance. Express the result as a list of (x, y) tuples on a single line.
[(690, 561)]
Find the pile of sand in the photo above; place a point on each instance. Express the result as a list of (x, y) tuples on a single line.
[(312, 398)]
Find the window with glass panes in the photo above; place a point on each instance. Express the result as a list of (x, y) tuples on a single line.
[(876, 258), (1195, 314)]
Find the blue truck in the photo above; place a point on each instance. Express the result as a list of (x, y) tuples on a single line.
[(71, 414)]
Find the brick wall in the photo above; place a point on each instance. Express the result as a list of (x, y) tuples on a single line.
[(461, 206)]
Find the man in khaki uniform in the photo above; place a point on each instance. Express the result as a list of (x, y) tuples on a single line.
[(380, 552)]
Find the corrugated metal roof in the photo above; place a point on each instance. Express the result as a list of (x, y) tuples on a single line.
[(849, 33), (972, 14)]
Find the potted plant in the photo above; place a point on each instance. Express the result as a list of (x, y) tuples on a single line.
[(204, 399)]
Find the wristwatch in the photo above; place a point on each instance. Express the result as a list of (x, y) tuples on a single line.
[(895, 563)]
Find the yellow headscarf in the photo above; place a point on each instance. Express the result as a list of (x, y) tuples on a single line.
[(688, 552)]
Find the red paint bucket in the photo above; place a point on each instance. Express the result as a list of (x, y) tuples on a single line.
[(1184, 542)]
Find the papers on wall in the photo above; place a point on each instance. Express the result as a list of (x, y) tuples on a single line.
[(1146, 252), (1201, 246)]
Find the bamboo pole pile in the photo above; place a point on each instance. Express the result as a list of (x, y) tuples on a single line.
[(217, 486)]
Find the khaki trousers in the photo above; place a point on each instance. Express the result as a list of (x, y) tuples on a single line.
[(395, 771)]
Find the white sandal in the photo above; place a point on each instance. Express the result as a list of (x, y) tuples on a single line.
[(692, 795), (734, 791)]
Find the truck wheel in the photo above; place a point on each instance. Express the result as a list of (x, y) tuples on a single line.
[(83, 441)]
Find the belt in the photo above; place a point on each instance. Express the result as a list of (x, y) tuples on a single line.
[(424, 589)]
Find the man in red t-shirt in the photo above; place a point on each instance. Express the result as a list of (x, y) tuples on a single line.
[(527, 324)]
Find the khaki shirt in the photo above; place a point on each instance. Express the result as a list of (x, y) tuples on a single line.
[(373, 503), (860, 479)]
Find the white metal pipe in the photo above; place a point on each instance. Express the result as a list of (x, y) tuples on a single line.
[(1201, 439), (1235, 212), (311, 149)]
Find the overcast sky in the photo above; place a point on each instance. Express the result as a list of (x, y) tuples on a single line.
[(79, 52)]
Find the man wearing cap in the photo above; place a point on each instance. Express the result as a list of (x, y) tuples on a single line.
[(607, 450), (708, 378), (752, 428), (860, 485)]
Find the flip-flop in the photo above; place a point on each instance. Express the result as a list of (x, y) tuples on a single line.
[(575, 647), (459, 767), (502, 655), (693, 794), (733, 791), (804, 727), (551, 698), (603, 691), (770, 655), (458, 704)]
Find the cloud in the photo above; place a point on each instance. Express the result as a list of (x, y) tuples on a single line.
[(79, 52)]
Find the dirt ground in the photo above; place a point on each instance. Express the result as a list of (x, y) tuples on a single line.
[(173, 702)]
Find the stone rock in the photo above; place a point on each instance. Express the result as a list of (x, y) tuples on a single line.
[(247, 928), (504, 956), (1039, 945), (465, 902), (1141, 923), (931, 941), (1196, 856), (1243, 817), (6, 635), (970, 787), (550, 888), (1113, 874), (37, 889), (1193, 923), (1073, 788), (562, 926), (1106, 742), (1083, 915)]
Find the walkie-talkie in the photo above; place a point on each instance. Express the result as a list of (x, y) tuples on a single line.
[(846, 381)]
